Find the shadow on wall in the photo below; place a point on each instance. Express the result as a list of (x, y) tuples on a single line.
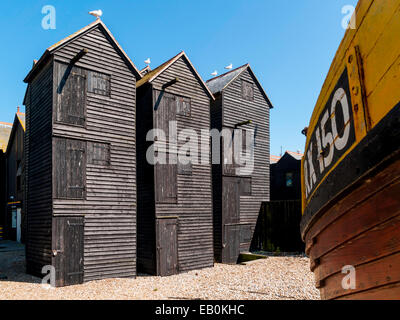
[(278, 227)]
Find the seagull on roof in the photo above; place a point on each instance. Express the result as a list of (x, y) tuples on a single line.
[(229, 67), (96, 13), (214, 73), (148, 61)]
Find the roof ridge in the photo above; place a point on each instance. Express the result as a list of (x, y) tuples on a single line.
[(155, 72), (226, 73), (150, 76), (83, 30)]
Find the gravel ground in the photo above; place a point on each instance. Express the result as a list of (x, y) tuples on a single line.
[(274, 278)]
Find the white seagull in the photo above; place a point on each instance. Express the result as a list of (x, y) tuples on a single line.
[(214, 73), (229, 67), (96, 13), (148, 61)]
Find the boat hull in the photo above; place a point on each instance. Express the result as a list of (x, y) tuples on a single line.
[(351, 167), (362, 230)]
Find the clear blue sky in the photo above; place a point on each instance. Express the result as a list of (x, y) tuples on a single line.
[(289, 44)]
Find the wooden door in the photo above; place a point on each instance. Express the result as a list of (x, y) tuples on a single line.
[(69, 168), (164, 111), (71, 98), (231, 247), (231, 219), (167, 247), (68, 250)]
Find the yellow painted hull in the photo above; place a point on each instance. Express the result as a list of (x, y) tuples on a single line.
[(352, 140)]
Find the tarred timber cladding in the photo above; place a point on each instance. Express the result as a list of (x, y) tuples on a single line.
[(146, 247), (110, 204), (216, 122), (38, 171), (193, 206), (234, 109)]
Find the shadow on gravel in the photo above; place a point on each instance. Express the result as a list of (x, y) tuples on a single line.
[(12, 263)]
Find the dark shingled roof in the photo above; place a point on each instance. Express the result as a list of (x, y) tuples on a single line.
[(219, 83)]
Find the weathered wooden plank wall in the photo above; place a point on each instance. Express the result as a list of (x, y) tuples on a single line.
[(81, 157), (190, 199), (236, 110), (110, 203), (146, 222), (216, 123), (278, 227), (194, 208), (38, 165), (234, 106)]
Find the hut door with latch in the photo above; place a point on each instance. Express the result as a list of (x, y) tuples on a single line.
[(71, 95), (231, 219), (167, 247), (68, 250)]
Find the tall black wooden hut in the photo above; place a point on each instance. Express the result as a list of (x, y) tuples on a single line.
[(174, 199), (80, 157), (242, 104), (286, 177), (14, 222)]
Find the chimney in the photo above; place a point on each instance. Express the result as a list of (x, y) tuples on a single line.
[(18, 109)]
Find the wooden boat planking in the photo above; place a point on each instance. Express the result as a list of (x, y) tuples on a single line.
[(352, 210)]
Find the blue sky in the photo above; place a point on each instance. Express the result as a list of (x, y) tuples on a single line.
[(289, 44)]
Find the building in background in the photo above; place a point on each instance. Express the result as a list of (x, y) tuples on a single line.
[(240, 103), (5, 131), (14, 222), (286, 176), (278, 225)]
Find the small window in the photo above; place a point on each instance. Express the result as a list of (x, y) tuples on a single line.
[(183, 106), (289, 179), (99, 154), (99, 83), (247, 91)]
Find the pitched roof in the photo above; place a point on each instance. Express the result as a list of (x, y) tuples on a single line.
[(71, 37), (18, 119), (219, 83), (296, 155), (21, 118), (5, 131), (274, 159), (150, 76), (145, 70)]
